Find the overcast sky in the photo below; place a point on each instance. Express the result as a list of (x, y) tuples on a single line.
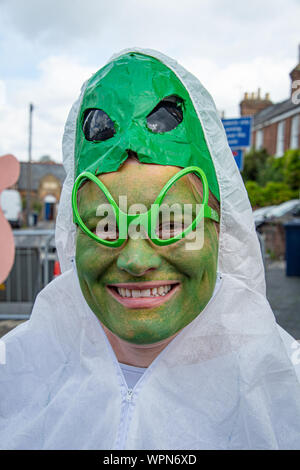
[(48, 48)]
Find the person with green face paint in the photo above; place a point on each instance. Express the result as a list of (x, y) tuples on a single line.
[(158, 334), (146, 291)]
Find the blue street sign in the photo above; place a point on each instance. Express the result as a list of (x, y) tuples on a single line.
[(238, 131), (238, 156)]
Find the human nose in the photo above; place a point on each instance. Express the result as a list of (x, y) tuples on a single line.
[(138, 257)]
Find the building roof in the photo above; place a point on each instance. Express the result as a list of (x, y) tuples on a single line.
[(38, 171), (296, 68), (273, 111)]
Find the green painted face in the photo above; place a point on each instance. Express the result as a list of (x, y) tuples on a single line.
[(128, 90), (190, 273)]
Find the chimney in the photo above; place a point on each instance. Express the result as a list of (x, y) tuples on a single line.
[(295, 76), (252, 104)]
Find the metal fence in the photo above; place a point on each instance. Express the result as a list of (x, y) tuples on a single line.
[(32, 270)]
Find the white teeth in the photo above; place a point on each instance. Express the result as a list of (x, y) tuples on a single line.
[(154, 292), (145, 293), (161, 290)]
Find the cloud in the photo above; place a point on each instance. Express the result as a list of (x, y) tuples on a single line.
[(52, 93), (2, 94), (50, 47), (228, 84), (223, 30), (56, 20), (59, 81)]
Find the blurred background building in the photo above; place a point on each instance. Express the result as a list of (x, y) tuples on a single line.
[(47, 178), (276, 126)]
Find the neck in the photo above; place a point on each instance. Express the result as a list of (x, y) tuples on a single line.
[(138, 355)]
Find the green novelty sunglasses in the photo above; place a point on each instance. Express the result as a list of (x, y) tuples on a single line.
[(148, 219)]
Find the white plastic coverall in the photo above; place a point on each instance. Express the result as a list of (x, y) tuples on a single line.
[(226, 381)]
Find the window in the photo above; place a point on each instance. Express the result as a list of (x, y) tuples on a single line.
[(280, 139), (294, 143), (259, 139)]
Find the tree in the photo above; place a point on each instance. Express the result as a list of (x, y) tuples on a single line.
[(255, 194), (254, 163), (291, 169), (272, 171), (276, 193), (270, 180)]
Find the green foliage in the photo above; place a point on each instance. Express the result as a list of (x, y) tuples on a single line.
[(262, 168), (254, 164), (291, 169), (271, 194), (272, 171), (270, 180), (276, 193), (255, 194)]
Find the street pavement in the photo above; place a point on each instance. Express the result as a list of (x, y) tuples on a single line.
[(283, 294)]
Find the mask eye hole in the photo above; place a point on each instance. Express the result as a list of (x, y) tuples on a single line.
[(166, 115), (97, 125)]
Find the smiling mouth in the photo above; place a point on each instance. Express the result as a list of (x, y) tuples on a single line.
[(143, 294)]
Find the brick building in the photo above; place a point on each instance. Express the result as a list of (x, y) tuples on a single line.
[(276, 127), (47, 178)]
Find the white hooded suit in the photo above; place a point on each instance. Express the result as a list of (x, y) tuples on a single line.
[(226, 381)]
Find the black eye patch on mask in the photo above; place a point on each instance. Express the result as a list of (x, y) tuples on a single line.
[(166, 115), (97, 125)]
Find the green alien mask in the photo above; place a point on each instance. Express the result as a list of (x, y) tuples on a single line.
[(137, 103)]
